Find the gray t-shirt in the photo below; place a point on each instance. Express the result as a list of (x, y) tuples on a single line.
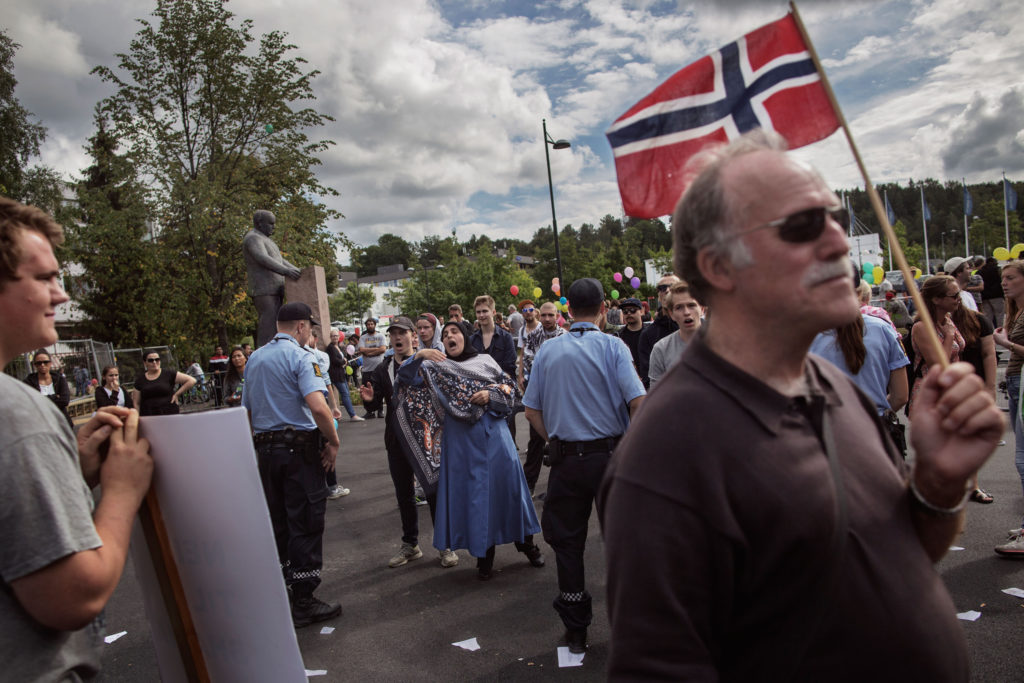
[(664, 355), (45, 515), (372, 340)]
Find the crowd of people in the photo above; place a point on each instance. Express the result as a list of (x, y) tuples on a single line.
[(759, 513)]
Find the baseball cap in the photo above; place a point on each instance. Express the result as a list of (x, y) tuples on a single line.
[(631, 301), (586, 293), (401, 322), (296, 311), (952, 264)]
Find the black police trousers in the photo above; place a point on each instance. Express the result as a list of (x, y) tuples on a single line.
[(296, 493), (404, 479), (572, 491)]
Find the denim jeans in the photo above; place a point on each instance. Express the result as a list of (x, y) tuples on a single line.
[(1013, 389), (346, 398)]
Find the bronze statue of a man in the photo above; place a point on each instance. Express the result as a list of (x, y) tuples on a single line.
[(267, 270)]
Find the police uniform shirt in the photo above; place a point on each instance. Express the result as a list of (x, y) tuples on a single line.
[(585, 379), (278, 377)]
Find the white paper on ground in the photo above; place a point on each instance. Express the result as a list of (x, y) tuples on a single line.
[(955, 547), (212, 503), (969, 615), (315, 672), (566, 658), (470, 644), (1015, 592), (326, 630), (114, 636)]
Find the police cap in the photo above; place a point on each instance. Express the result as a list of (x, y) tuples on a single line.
[(296, 310)]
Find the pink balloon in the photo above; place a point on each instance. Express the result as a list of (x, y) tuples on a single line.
[(561, 320), (350, 350), (617, 277), (635, 283)]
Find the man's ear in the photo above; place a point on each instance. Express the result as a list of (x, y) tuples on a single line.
[(717, 269)]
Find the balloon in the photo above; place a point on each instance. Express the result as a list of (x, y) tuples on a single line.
[(350, 350), (561, 320), (867, 267), (537, 292), (514, 290), (869, 278), (1002, 253), (348, 370), (563, 301), (556, 289), (916, 272), (555, 281), (1015, 252), (617, 277), (635, 283), (878, 274), (615, 294), (628, 271), (269, 128), (341, 336)]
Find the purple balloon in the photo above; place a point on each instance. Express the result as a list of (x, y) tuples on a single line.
[(617, 277), (635, 283)]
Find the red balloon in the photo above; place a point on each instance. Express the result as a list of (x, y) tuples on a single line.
[(514, 290)]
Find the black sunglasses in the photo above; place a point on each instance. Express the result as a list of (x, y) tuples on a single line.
[(152, 360), (41, 362), (663, 288), (806, 225)]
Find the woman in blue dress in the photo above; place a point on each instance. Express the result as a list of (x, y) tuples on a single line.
[(452, 426)]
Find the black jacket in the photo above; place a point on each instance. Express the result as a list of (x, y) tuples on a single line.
[(100, 395), (61, 396)]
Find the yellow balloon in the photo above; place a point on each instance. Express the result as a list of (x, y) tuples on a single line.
[(1001, 253), (1016, 250), (878, 274), (537, 292), (916, 273)]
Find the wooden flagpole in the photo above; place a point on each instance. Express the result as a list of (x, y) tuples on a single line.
[(931, 337), (171, 589)]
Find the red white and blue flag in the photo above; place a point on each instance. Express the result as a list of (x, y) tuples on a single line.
[(766, 79)]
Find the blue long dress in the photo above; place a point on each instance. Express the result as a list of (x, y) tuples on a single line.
[(482, 496)]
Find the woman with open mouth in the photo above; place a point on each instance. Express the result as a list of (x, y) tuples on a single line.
[(452, 420)]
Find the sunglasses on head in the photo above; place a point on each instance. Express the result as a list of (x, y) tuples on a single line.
[(806, 225)]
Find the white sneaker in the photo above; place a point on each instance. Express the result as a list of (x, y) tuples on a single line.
[(337, 492), (408, 552), (1014, 547), (448, 558), (356, 418)]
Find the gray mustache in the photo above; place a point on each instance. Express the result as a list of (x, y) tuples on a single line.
[(826, 271)]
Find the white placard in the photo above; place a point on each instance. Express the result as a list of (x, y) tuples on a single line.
[(216, 517)]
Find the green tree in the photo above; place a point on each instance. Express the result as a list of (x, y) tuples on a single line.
[(351, 303), (112, 243), (389, 250), (214, 123), (20, 136)]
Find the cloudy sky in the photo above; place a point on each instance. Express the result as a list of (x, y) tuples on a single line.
[(438, 104)]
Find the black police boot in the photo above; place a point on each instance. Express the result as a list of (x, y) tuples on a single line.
[(534, 555), (307, 610), (576, 639)]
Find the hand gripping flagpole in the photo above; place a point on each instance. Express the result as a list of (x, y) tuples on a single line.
[(931, 337)]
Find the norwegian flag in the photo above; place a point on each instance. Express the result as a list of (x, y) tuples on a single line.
[(766, 79)]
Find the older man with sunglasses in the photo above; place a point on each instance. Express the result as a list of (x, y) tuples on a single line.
[(758, 523)]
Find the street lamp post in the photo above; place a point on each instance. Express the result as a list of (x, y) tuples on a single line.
[(557, 144)]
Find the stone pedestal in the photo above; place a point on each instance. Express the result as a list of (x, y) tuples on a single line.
[(311, 289)]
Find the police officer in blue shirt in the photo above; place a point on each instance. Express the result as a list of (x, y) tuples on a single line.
[(295, 444), (582, 392)]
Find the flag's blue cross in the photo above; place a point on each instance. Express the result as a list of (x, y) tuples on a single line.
[(736, 102)]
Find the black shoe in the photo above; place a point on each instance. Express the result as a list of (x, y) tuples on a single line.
[(307, 610), (576, 639), (484, 574), (534, 555), (380, 414), (369, 416)]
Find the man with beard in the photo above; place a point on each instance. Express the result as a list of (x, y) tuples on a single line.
[(380, 384), (632, 329), (662, 326), (547, 329), (687, 313), (372, 348), (789, 541)]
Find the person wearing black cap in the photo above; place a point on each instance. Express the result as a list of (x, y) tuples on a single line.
[(377, 386), (633, 326), (296, 443), (582, 394)]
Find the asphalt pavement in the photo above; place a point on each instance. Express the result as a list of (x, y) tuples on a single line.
[(399, 624)]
